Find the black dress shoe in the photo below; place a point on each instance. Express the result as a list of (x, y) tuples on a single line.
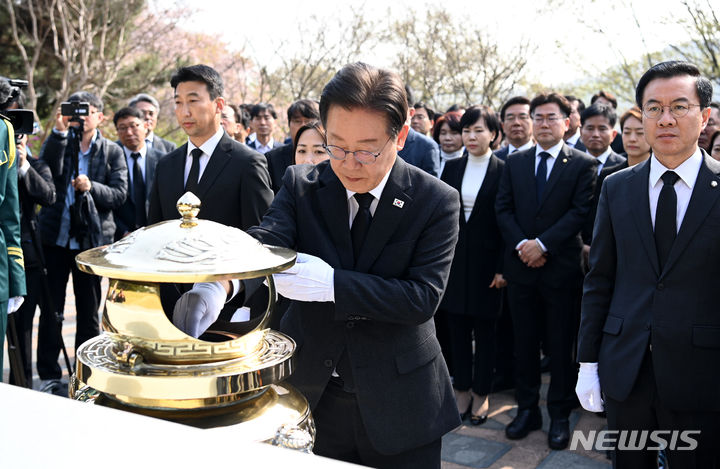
[(526, 421), (559, 434), (478, 419)]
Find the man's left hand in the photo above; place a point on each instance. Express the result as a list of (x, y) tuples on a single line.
[(14, 303), (310, 279)]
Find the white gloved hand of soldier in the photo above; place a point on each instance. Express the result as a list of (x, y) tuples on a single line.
[(588, 387), (14, 303), (199, 307), (310, 279)]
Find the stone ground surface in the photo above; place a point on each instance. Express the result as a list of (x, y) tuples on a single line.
[(483, 446)]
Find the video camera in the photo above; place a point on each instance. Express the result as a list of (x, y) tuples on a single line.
[(75, 109), (22, 120)]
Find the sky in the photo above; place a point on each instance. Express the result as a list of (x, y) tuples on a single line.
[(567, 47)]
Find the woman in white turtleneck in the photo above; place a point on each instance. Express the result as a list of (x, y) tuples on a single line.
[(447, 134), (472, 297)]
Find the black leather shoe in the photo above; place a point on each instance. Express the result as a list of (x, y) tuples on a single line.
[(526, 421), (559, 434), (478, 419)]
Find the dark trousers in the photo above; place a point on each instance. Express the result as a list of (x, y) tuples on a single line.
[(504, 345), (644, 410), (60, 264), (24, 321), (472, 370), (341, 435), (556, 328)]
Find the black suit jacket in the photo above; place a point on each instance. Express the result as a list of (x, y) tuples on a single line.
[(580, 146), (556, 219), (278, 160), (421, 151), (613, 161), (125, 214), (162, 146), (502, 153), (629, 304), (479, 251), (234, 188), (384, 301), (35, 188)]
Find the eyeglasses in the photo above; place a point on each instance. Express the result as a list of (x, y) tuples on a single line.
[(122, 129), (654, 110), (519, 117), (550, 119), (361, 156)]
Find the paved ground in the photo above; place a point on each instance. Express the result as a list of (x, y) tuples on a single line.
[(468, 446)]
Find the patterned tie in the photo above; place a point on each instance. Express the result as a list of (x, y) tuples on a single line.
[(541, 175), (666, 217), (194, 176), (138, 192), (361, 223)]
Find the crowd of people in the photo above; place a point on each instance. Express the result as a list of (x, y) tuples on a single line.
[(427, 282)]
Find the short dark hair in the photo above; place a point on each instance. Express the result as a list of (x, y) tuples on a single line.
[(410, 95), (86, 96), (673, 68), (715, 104), (452, 119), (128, 112), (599, 109), (546, 98), (308, 108), (713, 137), (607, 95), (202, 73), (511, 102), (475, 113), (310, 125), (581, 104), (360, 85), (146, 98), (632, 112), (423, 105), (262, 107)]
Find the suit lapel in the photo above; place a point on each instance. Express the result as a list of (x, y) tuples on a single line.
[(177, 173), (151, 157), (457, 183), (333, 203), (562, 160), (387, 216), (527, 173), (638, 183), (484, 191), (704, 196), (218, 160)]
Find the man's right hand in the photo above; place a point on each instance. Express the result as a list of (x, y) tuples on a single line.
[(588, 387), (62, 123)]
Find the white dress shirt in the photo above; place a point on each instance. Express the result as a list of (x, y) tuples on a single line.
[(602, 158), (554, 151), (688, 172), (353, 205), (207, 148), (131, 162), (526, 146), (473, 178), (572, 141)]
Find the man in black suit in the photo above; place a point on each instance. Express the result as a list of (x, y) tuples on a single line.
[(419, 150), (141, 162), (650, 330), (230, 179), (517, 126), (299, 113), (572, 135), (598, 131), (150, 108), (102, 181), (543, 199), (364, 296), (262, 121)]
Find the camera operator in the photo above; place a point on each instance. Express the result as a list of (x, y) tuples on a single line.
[(12, 272), (90, 177), (35, 186)]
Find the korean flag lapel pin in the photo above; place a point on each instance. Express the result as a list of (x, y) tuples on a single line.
[(398, 203), (713, 184)]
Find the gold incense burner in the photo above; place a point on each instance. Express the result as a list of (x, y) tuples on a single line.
[(231, 376)]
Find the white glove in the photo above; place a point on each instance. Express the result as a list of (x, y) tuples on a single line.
[(14, 303), (310, 279), (588, 387), (198, 308)]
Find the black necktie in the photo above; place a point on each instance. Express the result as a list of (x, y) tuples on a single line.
[(541, 175), (194, 176), (665, 217), (138, 192), (361, 223)]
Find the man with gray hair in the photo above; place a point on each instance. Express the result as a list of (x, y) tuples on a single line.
[(151, 109)]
